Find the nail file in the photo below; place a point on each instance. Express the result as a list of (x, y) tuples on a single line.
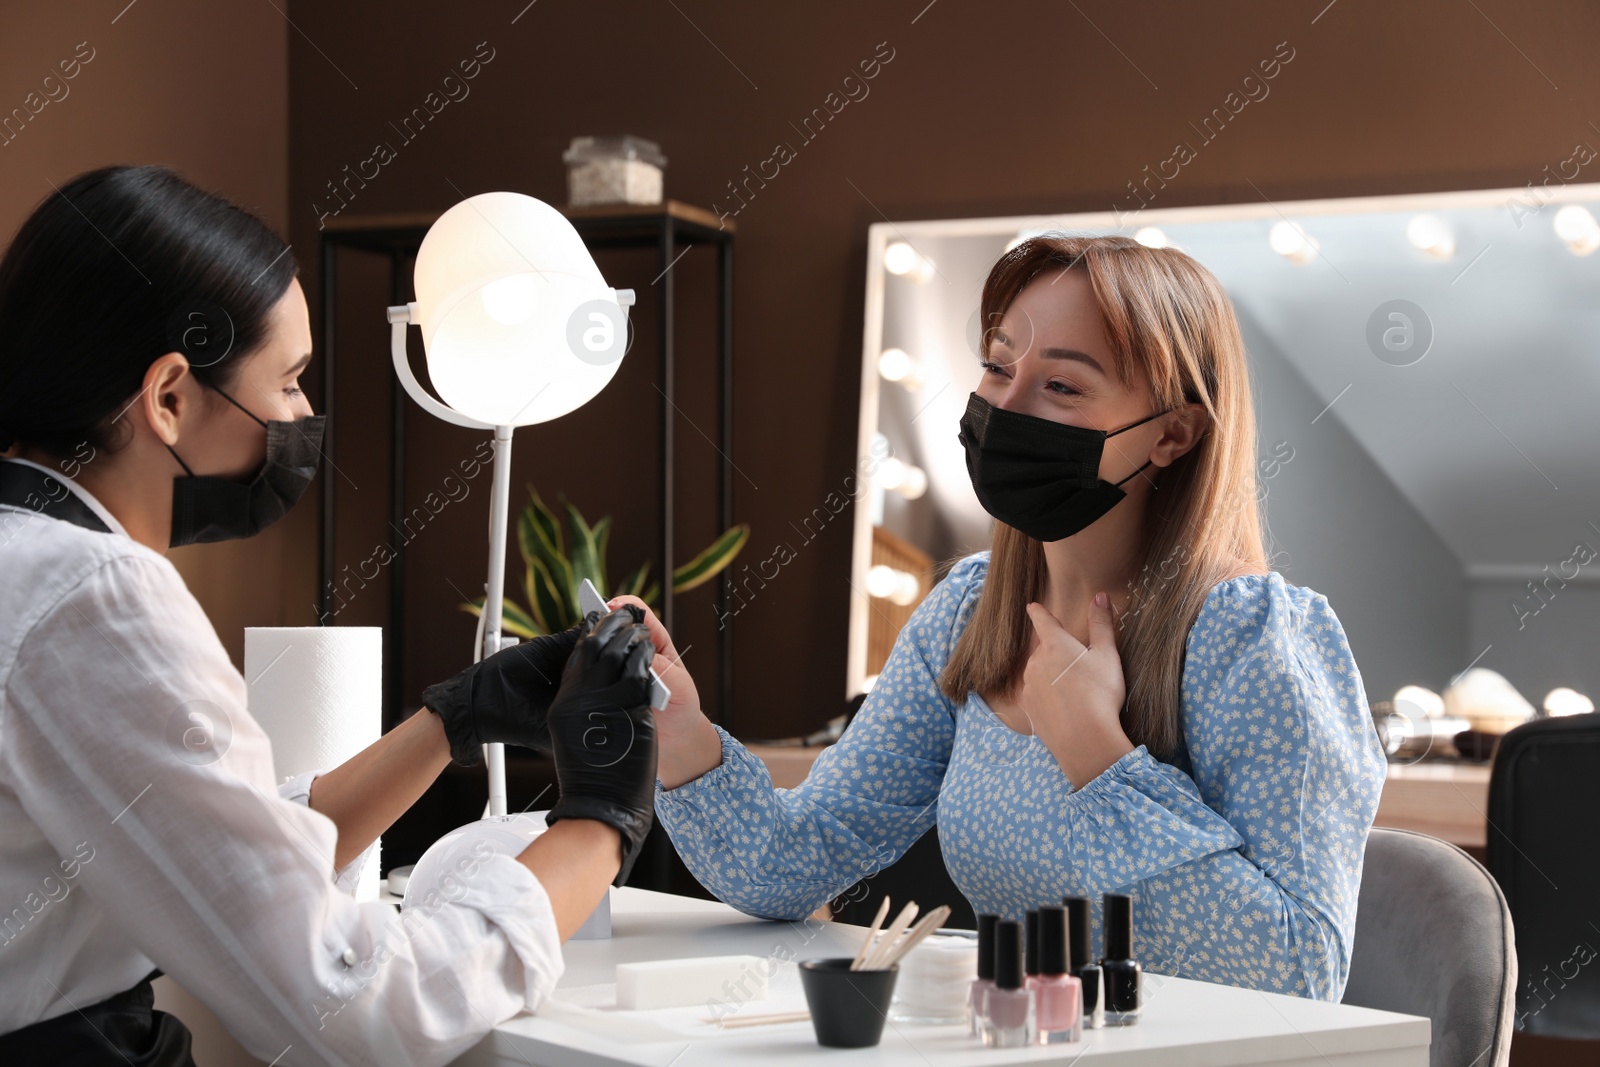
[(589, 599), (681, 983)]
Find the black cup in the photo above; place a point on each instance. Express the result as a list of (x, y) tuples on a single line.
[(848, 1008)]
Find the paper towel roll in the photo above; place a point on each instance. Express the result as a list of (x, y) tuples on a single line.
[(317, 691)]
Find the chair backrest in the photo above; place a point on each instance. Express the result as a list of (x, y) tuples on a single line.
[(1544, 850), (1433, 937)]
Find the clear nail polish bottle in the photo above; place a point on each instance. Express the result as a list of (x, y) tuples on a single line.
[(1084, 969), (1122, 975), (1058, 996), (1008, 1008), (985, 980)]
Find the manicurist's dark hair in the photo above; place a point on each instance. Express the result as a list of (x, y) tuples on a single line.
[(113, 270)]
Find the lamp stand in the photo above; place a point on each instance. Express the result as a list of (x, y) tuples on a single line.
[(400, 316), (493, 594)]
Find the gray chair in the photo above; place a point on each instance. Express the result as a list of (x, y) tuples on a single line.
[(1434, 938)]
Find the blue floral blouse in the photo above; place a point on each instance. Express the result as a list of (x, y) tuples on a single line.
[(1243, 856)]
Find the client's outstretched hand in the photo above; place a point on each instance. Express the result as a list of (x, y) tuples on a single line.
[(690, 745), (503, 698), (602, 733)]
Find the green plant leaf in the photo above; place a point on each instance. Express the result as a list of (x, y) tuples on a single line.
[(649, 595), (544, 524), (710, 563), (602, 541), (633, 584), (513, 620), (585, 552), (545, 545), (530, 590), (553, 608)]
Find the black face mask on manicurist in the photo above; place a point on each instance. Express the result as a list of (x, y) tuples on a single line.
[(207, 508), (1038, 475)]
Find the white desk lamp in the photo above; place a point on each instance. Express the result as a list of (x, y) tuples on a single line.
[(519, 328)]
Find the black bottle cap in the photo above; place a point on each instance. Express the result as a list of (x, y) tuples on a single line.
[(1053, 938), (1078, 927), (1118, 922), (1008, 955), (1030, 947), (986, 945)]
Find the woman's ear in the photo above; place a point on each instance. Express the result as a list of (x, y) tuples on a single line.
[(168, 397), (1181, 433)]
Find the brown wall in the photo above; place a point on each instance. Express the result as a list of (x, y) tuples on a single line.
[(984, 109), (203, 88)]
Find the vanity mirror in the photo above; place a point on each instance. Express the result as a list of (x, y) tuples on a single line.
[(1426, 375)]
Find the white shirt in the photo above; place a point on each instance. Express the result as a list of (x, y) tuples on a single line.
[(122, 850)]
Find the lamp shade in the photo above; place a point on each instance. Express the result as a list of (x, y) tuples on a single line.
[(518, 324)]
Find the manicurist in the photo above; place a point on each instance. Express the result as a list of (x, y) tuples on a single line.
[(151, 340)]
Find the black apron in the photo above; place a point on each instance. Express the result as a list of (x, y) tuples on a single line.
[(126, 1028)]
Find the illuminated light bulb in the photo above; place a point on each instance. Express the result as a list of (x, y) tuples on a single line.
[(892, 473), (1564, 701), (906, 589), (916, 483), (502, 280), (1429, 234), (900, 258), (512, 299), (1424, 702), (1152, 237), (882, 580), (924, 270), (1291, 242), (894, 364), (1577, 229)]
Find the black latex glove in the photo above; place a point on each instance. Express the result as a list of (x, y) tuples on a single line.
[(504, 698), (603, 734)]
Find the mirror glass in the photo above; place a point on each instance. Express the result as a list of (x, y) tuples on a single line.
[(1426, 376)]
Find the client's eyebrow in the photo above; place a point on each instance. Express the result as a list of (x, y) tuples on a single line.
[(299, 365), (1071, 353)]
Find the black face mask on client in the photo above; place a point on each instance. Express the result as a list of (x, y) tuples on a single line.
[(1038, 475), (206, 508)]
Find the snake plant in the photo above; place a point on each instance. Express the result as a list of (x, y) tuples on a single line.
[(556, 562)]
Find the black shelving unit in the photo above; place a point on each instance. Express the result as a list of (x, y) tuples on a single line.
[(670, 228)]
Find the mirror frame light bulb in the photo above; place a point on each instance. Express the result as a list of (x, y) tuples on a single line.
[(1575, 225), (1429, 234), (896, 365), (900, 258), (1152, 237), (1562, 701), (882, 580), (1291, 242)]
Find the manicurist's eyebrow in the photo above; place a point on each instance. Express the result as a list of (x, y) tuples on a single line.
[(299, 365), (1073, 354)]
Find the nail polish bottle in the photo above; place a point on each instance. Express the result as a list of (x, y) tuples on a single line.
[(1030, 944), (1120, 972), (985, 980), (1008, 1010), (1057, 995), (1084, 969)]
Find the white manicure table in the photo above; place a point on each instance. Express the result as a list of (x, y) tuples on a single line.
[(1185, 1024)]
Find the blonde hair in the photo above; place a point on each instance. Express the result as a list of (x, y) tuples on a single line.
[(1169, 317)]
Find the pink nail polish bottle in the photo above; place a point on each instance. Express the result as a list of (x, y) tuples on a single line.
[(1008, 1012), (985, 979), (1058, 996)]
